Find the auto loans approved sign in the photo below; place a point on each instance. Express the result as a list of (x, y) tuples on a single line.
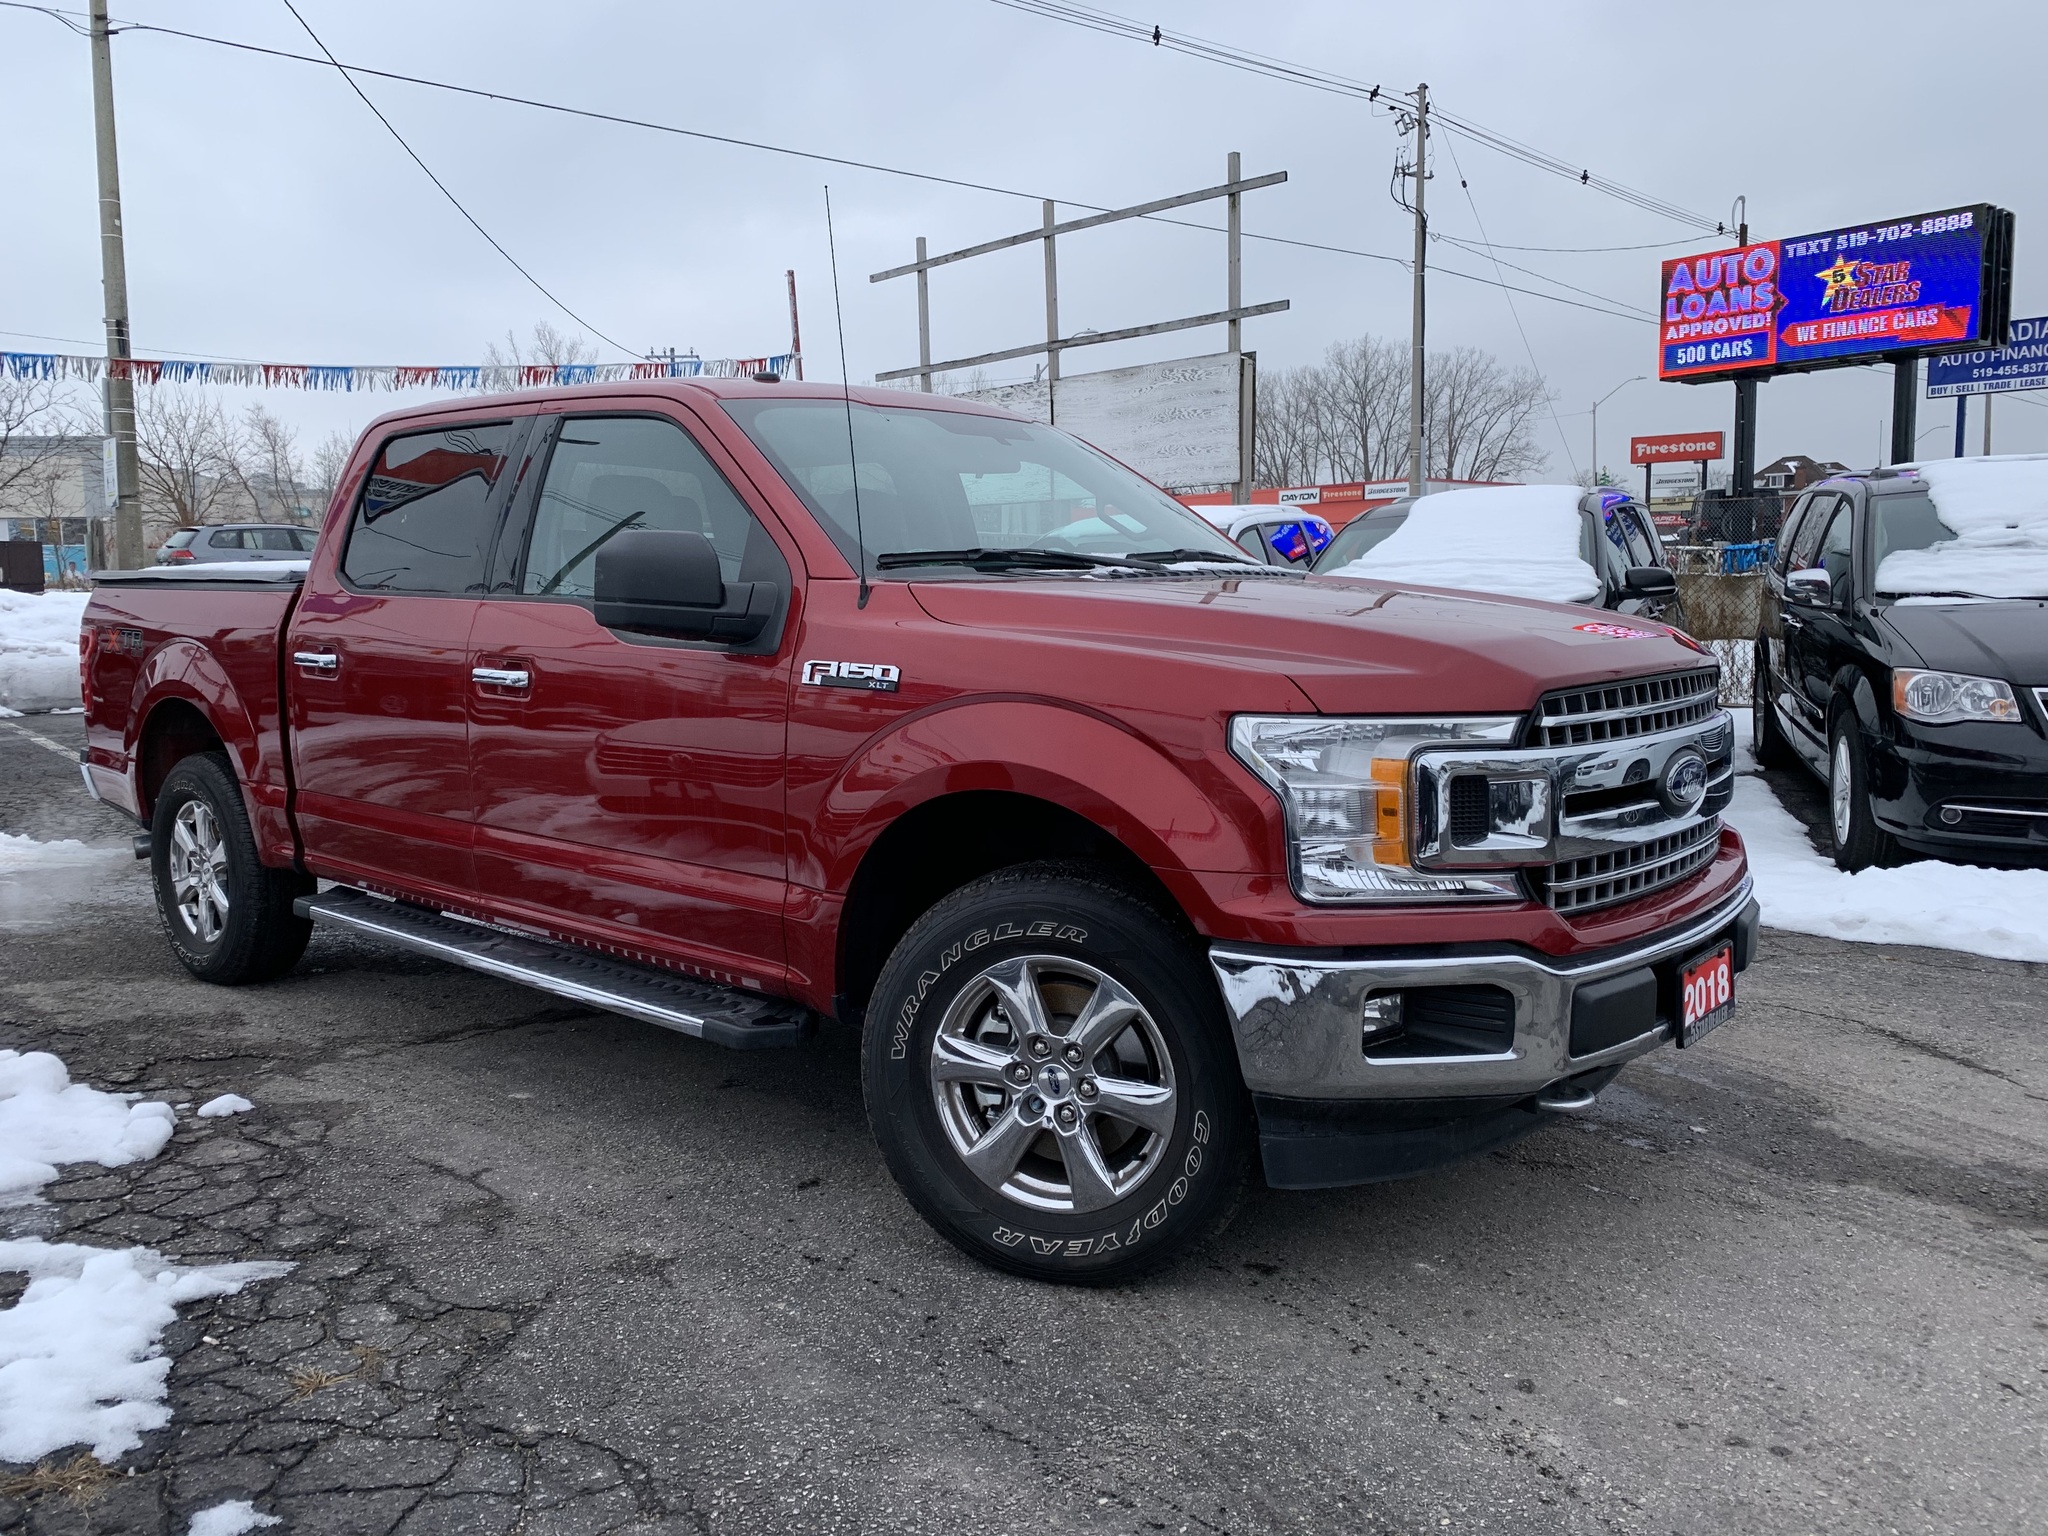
[(1815, 301)]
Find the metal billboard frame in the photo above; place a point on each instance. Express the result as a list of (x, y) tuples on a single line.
[(1233, 315)]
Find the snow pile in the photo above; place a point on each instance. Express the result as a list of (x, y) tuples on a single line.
[(226, 1104), (21, 855), (79, 1360), (78, 1352), (39, 648), (1517, 540), (1998, 508), (234, 1518), (46, 1119), (2001, 913)]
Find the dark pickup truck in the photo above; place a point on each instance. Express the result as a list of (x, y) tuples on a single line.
[(1141, 866)]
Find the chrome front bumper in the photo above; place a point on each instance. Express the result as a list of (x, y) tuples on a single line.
[(1299, 1017)]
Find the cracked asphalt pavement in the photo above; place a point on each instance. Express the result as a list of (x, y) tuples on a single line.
[(560, 1272)]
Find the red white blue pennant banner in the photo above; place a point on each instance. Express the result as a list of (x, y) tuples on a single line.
[(66, 367)]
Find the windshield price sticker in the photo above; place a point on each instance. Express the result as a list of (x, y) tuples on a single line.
[(1708, 989)]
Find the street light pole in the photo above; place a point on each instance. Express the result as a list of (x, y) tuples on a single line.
[(1624, 384), (120, 386)]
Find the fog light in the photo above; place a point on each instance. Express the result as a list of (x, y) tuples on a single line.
[(1381, 1015), (1950, 815)]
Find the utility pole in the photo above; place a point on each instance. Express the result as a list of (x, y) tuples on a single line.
[(796, 336), (1415, 368), (120, 386), (1052, 317)]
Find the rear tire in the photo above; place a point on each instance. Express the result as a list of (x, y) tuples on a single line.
[(1767, 737), (1052, 1081), (228, 916), (1858, 841)]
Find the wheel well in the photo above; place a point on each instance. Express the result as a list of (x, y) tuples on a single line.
[(940, 846), (174, 731)]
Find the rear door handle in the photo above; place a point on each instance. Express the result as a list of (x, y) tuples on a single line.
[(501, 677), (316, 661)]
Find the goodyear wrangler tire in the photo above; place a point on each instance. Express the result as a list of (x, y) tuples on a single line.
[(1051, 1079)]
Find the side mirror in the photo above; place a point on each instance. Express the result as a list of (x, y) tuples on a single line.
[(1651, 581), (1810, 588), (667, 582)]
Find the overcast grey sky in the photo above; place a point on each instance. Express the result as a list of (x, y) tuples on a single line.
[(269, 215)]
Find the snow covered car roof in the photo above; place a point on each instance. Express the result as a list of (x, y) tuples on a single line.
[(1516, 540), (1998, 510)]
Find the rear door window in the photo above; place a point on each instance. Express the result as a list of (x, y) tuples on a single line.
[(279, 540), (226, 538), (422, 521)]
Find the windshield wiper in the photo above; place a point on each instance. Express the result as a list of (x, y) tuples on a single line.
[(981, 559), (1187, 556)]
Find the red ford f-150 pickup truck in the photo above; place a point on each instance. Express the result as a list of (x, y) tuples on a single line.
[(1141, 866)]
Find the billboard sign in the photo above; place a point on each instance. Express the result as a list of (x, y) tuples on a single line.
[(1676, 448), (1175, 423), (1934, 282), (2022, 363)]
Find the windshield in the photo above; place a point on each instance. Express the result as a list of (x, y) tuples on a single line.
[(1362, 533), (936, 480), (1970, 528)]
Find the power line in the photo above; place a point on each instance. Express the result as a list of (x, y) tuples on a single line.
[(1488, 249), (1098, 20), (1549, 401), (440, 185), (619, 120)]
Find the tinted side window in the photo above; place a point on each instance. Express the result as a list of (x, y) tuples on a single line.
[(227, 538), (419, 525), (611, 473), (1789, 534), (1835, 556), (1642, 545), (277, 539), (1807, 541)]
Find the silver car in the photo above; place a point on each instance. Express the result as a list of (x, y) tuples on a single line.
[(236, 541)]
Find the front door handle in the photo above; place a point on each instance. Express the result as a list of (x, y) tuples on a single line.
[(316, 661), (501, 677)]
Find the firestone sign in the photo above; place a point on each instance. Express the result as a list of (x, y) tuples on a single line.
[(1933, 282), (1679, 448)]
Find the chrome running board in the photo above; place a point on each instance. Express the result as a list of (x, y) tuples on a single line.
[(722, 1015)]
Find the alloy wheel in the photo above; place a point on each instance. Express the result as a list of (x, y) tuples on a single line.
[(198, 869), (1841, 790), (1053, 1083)]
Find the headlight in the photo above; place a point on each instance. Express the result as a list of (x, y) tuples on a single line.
[(1939, 698), (1349, 797)]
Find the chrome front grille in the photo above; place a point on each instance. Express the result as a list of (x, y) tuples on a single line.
[(1636, 869), (1642, 706)]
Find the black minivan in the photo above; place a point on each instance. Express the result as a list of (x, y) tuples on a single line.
[(1925, 712)]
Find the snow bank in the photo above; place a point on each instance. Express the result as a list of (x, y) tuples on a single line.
[(1517, 540), (234, 1518), (78, 1352), (2001, 913), (226, 1104), (21, 855), (1998, 508), (39, 648), (46, 1119)]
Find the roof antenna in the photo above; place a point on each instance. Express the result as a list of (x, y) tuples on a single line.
[(860, 543)]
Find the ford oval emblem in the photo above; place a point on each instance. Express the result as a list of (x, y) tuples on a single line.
[(1685, 782)]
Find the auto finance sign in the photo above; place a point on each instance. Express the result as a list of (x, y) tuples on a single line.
[(2022, 363), (1937, 281)]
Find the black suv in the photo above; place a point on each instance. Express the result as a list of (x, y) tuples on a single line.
[(1925, 712)]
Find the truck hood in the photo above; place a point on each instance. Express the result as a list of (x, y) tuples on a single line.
[(2006, 639), (1352, 646)]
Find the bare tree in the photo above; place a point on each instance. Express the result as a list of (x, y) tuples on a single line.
[(39, 422), (329, 460), (545, 346), (191, 459), (1346, 418), (268, 465)]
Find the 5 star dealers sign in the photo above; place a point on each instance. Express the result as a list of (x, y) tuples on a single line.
[(1934, 282)]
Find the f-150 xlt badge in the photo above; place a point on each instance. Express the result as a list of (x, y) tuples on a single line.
[(874, 676)]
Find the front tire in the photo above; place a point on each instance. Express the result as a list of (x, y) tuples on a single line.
[(1858, 841), (228, 915), (1767, 737), (1051, 1079)]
